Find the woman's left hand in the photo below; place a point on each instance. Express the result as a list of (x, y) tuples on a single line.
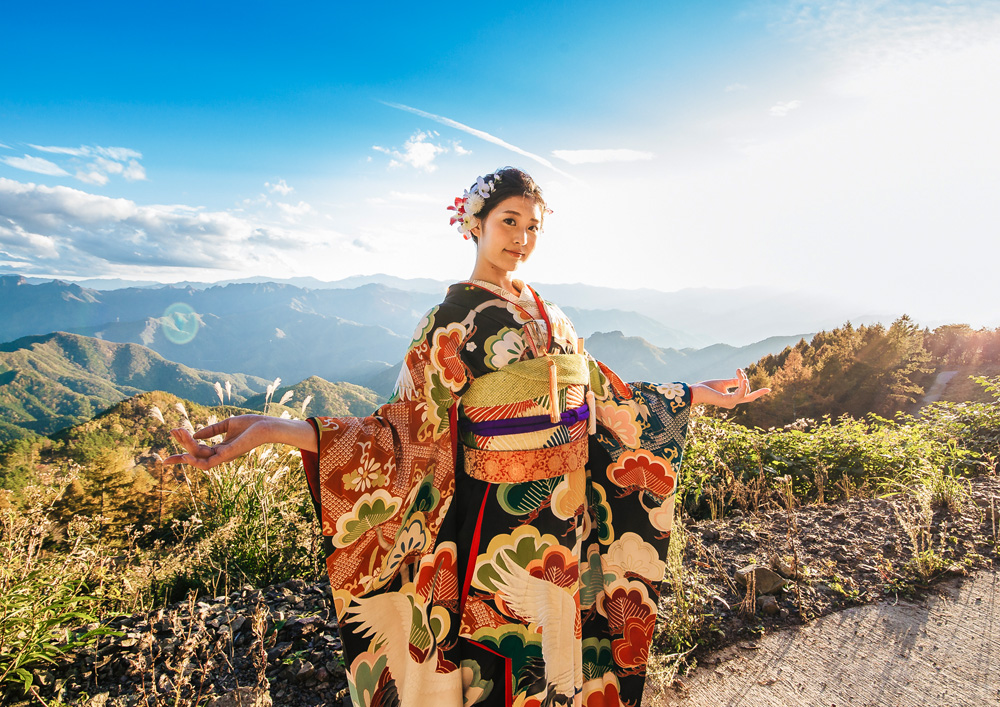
[(721, 394)]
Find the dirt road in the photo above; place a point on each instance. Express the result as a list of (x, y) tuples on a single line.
[(943, 651)]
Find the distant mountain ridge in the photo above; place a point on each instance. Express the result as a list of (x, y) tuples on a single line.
[(57, 380), (53, 381), (355, 334), (693, 317), (635, 359)]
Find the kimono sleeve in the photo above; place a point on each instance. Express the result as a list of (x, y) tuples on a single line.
[(382, 484), (641, 432)]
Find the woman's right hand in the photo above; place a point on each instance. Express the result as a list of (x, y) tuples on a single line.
[(241, 434)]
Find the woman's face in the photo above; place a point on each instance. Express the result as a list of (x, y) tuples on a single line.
[(507, 236)]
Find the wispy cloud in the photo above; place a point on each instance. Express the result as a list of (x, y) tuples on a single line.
[(780, 110), (103, 163), (601, 156), (418, 151), (5, 147), (482, 135), (736, 87), (294, 211), (280, 187), (118, 154), (884, 26), (38, 165)]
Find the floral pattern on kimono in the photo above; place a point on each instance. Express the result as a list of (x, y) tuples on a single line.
[(450, 590)]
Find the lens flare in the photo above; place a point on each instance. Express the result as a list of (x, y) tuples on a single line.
[(180, 323)]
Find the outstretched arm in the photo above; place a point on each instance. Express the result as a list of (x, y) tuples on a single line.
[(720, 393), (242, 433)]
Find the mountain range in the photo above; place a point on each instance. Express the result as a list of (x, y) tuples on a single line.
[(57, 380), (694, 317), (74, 350)]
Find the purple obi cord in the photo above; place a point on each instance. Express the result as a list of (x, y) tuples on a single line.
[(520, 425)]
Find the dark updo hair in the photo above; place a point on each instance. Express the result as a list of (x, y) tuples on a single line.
[(512, 182)]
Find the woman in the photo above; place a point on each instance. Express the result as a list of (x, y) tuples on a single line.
[(496, 533)]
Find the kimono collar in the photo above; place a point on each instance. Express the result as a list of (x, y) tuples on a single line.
[(526, 300)]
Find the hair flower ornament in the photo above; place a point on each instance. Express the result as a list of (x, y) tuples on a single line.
[(471, 203)]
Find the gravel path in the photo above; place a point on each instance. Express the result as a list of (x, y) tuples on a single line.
[(944, 650)]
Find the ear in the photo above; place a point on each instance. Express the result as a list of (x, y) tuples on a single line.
[(476, 230)]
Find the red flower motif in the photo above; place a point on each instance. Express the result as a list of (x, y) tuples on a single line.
[(558, 566), (446, 358), (439, 576), (626, 601), (642, 470), (632, 649), (607, 696)]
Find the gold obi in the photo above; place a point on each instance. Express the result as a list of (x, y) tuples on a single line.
[(525, 380), (515, 466)]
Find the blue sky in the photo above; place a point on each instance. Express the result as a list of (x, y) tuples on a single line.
[(844, 147)]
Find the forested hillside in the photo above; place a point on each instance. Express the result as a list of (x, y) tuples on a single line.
[(869, 369)]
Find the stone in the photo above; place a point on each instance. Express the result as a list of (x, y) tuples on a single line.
[(768, 604), (335, 668), (98, 700), (766, 581), (783, 566), (243, 697), (303, 670), (237, 624), (710, 535)]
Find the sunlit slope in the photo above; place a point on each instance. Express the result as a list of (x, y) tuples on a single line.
[(52, 381), (324, 399)]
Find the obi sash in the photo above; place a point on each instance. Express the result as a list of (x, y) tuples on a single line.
[(517, 382)]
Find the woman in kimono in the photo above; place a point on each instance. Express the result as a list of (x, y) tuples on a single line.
[(496, 533)]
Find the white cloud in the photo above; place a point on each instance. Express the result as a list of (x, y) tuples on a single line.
[(601, 156), (294, 210), (459, 150), (417, 151), (281, 187), (38, 165), (5, 147), (105, 161), (74, 151), (134, 172), (780, 110), (736, 87), (92, 177), (66, 230)]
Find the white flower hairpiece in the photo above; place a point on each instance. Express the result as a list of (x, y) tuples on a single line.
[(471, 203)]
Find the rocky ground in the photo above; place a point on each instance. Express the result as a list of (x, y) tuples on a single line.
[(847, 554), (280, 645)]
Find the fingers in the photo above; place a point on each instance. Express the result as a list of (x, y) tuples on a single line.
[(759, 393), (219, 428), (184, 438), (200, 456)]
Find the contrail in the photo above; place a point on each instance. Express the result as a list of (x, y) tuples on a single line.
[(478, 133)]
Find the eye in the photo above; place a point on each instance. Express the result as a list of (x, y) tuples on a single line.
[(509, 221), (534, 228)]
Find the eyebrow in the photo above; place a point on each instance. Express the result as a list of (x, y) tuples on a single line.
[(516, 213)]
